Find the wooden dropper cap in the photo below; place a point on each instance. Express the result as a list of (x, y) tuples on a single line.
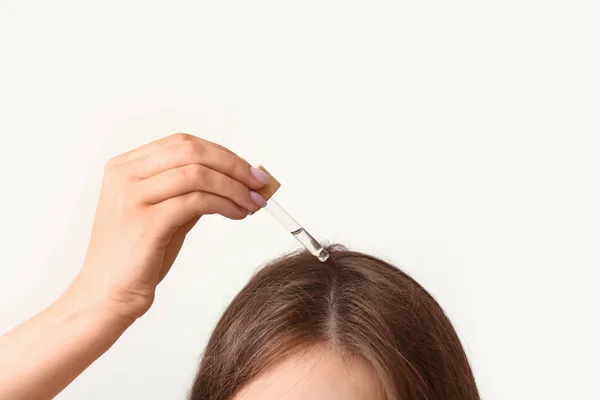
[(270, 189)]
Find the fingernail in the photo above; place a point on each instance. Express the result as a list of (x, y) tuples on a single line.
[(260, 176), (258, 199), (250, 213)]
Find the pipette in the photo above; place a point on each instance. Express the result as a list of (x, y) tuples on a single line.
[(289, 223)]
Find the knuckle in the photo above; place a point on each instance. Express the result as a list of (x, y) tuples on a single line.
[(231, 160), (110, 176), (110, 164), (181, 137), (199, 202), (117, 175), (195, 172), (191, 150), (196, 197)]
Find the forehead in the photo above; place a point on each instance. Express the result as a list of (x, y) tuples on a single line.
[(315, 374)]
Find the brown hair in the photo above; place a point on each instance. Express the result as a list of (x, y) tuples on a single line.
[(354, 302)]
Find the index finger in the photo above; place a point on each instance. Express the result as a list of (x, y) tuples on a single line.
[(151, 147), (199, 152)]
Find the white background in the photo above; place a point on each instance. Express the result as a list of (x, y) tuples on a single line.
[(457, 139)]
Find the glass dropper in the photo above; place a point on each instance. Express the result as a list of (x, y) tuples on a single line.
[(289, 223), (296, 230)]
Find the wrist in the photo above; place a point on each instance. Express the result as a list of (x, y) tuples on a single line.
[(123, 297), (98, 313)]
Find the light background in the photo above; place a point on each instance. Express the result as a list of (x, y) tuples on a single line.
[(458, 139)]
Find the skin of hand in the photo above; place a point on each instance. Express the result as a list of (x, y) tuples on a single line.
[(151, 198)]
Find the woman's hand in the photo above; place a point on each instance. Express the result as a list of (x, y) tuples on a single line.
[(151, 197)]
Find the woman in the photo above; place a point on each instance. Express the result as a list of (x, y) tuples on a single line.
[(353, 328)]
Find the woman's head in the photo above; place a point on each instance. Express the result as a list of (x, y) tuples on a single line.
[(353, 328)]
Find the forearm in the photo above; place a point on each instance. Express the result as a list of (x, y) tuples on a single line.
[(40, 357)]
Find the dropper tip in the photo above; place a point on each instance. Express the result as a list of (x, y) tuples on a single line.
[(323, 255)]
